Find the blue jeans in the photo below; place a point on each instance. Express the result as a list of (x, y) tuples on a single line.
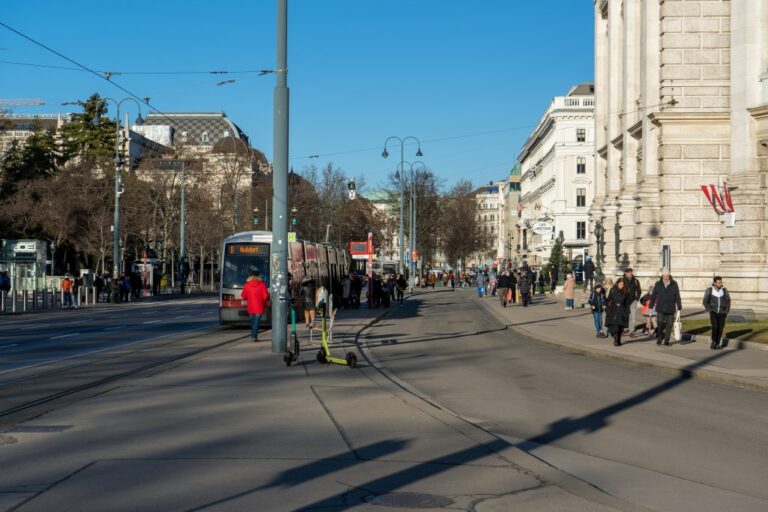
[(480, 290), (597, 316), (255, 321), (569, 303)]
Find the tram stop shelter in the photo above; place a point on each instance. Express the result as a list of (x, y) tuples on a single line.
[(25, 262)]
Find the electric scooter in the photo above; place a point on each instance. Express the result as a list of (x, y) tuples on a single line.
[(294, 352), (324, 354)]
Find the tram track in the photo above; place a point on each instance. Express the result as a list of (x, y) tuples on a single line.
[(36, 398)]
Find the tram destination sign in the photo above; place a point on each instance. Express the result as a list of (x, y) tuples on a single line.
[(248, 249)]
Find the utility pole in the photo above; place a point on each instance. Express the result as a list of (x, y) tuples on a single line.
[(183, 228), (116, 215), (280, 185)]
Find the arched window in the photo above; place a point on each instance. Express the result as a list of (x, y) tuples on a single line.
[(204, 138)]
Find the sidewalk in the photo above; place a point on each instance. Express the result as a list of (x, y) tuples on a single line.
[(235, 429), (546, 320)]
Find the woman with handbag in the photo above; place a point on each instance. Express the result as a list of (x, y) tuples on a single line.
[(617, 311)]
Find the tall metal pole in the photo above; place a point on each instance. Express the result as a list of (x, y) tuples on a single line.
[(413, 220), (280, 185), (183, 227), (116, 218), (402, 209)]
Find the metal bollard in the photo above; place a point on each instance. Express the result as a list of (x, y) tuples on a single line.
[(34, 300), (13, 300), (61, 297), (2, 301), (44, 300), (24, 298)]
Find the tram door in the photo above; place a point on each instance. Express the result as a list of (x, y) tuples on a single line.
[(23, 276)]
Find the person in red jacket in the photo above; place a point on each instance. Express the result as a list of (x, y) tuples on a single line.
[(256, 294)]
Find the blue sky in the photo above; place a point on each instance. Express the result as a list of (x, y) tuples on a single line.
[(359, 70)]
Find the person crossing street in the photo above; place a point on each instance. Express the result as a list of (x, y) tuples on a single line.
[(666, 299)]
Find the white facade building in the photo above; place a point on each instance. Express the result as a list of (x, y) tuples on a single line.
[(681, 102), (557, 180)]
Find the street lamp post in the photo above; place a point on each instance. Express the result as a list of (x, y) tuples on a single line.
[(385, 154), (412, 226), (599, 232), (119, 162)]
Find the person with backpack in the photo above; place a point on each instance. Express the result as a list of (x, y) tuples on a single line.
[(524, 285), (308, 294), (597, 302), (717, 302), (589, 274)]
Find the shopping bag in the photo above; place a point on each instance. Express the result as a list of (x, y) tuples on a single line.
[(509, 295), (677, 328)]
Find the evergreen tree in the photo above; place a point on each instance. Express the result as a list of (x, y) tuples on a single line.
[(557, 260), (91, 134)]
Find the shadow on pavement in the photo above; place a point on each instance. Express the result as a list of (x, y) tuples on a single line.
[(317, 469)]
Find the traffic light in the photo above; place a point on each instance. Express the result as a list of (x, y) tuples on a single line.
[(294, 220), (255, 216)]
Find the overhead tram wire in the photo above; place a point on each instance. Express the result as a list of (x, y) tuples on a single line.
[(259, 72), (441, 139), (86, 68)]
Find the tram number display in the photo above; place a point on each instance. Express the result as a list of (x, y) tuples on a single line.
[(248, 249)]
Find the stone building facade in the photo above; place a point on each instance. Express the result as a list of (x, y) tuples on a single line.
[(557, 184), (681, 93)]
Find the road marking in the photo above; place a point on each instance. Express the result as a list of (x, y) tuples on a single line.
[(63, 336), (9, 346), (152, 322), (37, 326), (115, 328), (181, 316), (123, 345)]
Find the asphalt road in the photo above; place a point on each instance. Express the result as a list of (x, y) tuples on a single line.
[(652, 438), (41, 339)]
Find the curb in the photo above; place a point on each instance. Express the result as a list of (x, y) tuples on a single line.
[(737, 343), (701, 374)]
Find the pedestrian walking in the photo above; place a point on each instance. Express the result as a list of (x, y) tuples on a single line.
[(66, 288), (256, 295), (452, 277), (649, 313), (597, 303), (717, 302), (480, 284), (589, 274), (553, 281), (114, 289), (569, 291), (634, 291), (77, 282), (617, 311), (346, 291), (401, 284), (308, 296), (524, 285), (542, 282), (98, 284), (503, 288), (666, 299)]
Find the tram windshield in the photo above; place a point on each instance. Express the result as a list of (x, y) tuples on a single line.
[(240, 259)]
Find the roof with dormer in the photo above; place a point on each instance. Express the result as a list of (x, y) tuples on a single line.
[(198, 128)]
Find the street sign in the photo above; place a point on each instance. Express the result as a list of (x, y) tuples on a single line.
[(291, 236), (543, 228)]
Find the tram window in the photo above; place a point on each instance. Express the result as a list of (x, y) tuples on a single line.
[(240, 260)]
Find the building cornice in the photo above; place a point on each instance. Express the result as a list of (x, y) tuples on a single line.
[(618, 142), (660, 118), (760, 112), (636, 130), (603, 151)]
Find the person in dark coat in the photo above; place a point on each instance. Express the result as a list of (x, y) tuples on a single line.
[(634, 290), (589, 275), (666, 299), (717, 302), (502, 287), (524, 284), (617, 311), (513, 285), (597, 302)]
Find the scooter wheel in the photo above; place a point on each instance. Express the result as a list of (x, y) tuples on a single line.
[(351, 360), (321, 357)]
